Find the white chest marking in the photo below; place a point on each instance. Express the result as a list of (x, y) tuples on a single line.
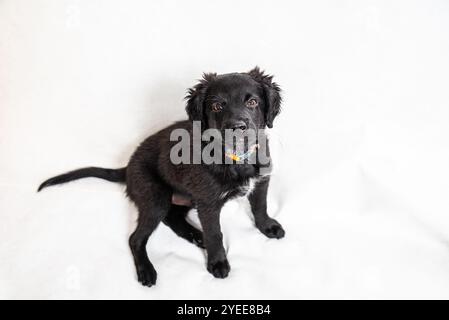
[(244, 190), (251, 185), (248, 188)]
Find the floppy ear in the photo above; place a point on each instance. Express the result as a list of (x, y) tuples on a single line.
[(272, 94), (195, 97)]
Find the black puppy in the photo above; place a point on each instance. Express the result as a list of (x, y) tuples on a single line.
[(164, 191)]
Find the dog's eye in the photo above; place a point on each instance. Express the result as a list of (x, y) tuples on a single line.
[(252, 103), (216, 107)]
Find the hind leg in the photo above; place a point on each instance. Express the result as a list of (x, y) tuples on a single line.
[(153, 202), (176, 220)]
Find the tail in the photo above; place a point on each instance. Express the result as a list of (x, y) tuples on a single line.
[(114, 175)]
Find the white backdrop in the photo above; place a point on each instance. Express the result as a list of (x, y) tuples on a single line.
[(362, 145)]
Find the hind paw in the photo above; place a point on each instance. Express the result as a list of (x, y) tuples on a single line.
[(196, 238)]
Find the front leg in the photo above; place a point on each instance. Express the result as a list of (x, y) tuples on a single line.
[(258, 200), (209, 215)]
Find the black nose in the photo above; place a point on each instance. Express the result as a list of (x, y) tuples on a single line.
[(238, 125)]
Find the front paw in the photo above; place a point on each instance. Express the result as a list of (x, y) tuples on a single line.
[(219, 269), (271, 228), (146, 274)]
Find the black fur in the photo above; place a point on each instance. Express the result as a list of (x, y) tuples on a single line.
[(113, 175), (152, 180)]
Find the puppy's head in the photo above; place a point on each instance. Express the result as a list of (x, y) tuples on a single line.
[(234, 101)]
